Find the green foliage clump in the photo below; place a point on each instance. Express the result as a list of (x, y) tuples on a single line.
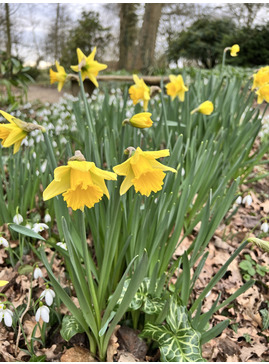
[(202, 41)]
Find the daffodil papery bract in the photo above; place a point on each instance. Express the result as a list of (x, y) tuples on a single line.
[(59, 76), (80, 182), (143, 171), (141, 120), (176, 87), (140, 92), (261, 78), (88, 66), (12, 133), (234, 50), (263, 93)]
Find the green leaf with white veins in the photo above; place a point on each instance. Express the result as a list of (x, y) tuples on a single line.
[(70, 327), (178, 341)]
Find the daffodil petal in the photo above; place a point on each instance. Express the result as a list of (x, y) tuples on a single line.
[(127, 183), (123, 168), (16, 135)]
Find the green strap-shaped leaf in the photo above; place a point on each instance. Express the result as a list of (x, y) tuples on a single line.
[(70, 327), (25, 231)]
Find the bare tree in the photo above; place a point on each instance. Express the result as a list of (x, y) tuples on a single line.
[(145, 54), (128, 34)]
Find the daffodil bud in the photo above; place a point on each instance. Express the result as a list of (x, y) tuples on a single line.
[(141, 120), (205, 108), (234, 50)]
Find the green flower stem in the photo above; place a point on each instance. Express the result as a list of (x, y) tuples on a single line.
[(88, 268), (53, 163), (90, 123), (223, 59)]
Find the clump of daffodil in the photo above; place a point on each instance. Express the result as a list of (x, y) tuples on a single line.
[(59, 76), (80, 182), (140, 92), (143, 171), (88, 66), (15, 131), (261, 78), (176, 87), (234, 50), (205, 108), (141, 120)]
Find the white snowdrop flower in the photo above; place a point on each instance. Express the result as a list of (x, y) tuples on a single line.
[(49, 294), (264, 227), (47, 218), (38, 273), (3, 242), (44, 313), (28, 226), (34, 155), (37, 172), (183, 172), (7, 315), (62, 245), (44, 166), (247, 200), (30, 142), (238, 201), (28, 165), (57, 152), (63, 140), (17, 219), (38, 227), (54, 144)]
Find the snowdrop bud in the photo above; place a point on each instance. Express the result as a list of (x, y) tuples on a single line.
[(183, 172), (247, 200), (28, 226), (7, 314), (38, 227), (43, 312), (62, 245), (49, 294), (47, 218), (44, 167), (38, 273), (3, 242), (265, 227), (34, 155), (17, 219), (238, 201)]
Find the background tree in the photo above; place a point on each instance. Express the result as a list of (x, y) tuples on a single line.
[(145, 55), (202, 41), (253, 42), (128, 34), (87, 34)]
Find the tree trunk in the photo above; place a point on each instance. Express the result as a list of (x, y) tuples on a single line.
[(148, 35), (128, 34), (56, 54), (8, 30)]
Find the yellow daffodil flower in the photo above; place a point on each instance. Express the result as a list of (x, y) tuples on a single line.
[(140, 92), (15, 131), (176, 87), (3, 283), (234, 50), (261, 78), (205, 108), (88, 66), (80, 182), (141, 120), (143, 171), (263, 93), (59, 76)]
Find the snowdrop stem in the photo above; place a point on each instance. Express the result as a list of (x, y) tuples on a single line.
[(21, 318)]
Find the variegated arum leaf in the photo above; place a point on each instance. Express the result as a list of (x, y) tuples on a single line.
[(70, 327), (178, 341)]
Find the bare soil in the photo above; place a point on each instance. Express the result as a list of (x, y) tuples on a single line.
[(45, 93)]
